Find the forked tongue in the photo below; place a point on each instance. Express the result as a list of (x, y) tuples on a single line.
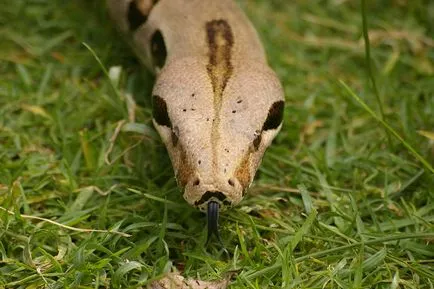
[(213, 221)]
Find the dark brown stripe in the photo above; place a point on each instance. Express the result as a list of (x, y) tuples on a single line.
[(137, 14), (185, 169), (242, 173), (257, 141), (175, 136), (220, 41), (159, 111)]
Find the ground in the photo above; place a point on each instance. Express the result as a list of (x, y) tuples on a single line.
[(344, 197)]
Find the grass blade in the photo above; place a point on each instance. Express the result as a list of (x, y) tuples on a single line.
[(388, 127), (368, 63)]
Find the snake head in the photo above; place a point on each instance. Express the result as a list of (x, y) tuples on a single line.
[(216, 148)]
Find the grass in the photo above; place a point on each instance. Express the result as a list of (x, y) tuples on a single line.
[(343, 199)]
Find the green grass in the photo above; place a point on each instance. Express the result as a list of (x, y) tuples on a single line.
[(342, 200)]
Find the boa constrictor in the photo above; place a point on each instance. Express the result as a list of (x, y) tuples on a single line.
[(217, 105)]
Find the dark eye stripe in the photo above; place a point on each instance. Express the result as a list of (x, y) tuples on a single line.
[(135, 17), (175, 136), (159, 111), (257, 141), (275, 116), (158, 49)]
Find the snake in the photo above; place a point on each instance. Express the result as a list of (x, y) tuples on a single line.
[(216, 103)]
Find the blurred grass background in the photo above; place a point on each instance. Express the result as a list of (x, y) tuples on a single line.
[(337, 203)]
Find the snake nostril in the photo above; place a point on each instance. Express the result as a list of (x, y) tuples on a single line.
[(231, 182), (196, 182)]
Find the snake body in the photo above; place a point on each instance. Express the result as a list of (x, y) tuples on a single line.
[(217, 105)]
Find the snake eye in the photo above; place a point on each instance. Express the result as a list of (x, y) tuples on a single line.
[(158, 49), (275, 116)]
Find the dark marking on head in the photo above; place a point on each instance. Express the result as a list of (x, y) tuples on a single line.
[(220, 41), (158, 49), (159, 111), (175, 136), (184, 110), (240, 101), (242, 173), (257, 141), (275, 116), (210, 194), (234, 111), (185, 169), (137, 14), (231, 182)]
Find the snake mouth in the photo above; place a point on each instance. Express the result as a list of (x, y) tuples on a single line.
[(213, 220)]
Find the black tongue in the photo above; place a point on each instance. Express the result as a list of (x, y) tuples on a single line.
[(213, 221), (213, 225)]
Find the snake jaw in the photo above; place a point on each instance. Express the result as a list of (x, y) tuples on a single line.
[(213, 219)]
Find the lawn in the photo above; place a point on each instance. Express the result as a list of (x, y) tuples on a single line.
[(344, 197)]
